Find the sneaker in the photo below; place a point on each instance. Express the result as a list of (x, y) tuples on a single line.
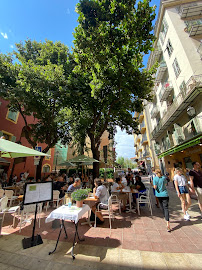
[(186, 217), (187, 214)]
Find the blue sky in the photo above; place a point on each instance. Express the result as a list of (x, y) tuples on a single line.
[(48, 19)]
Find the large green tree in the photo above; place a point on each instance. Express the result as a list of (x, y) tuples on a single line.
[(34, 80), (109, 80)]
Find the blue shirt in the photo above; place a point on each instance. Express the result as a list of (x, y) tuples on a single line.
[(160, 183)]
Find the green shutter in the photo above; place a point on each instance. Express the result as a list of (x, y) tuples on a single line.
[(12, 115), (1, 134)]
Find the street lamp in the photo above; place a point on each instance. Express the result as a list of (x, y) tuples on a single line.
[(56, 159), (191, 111)]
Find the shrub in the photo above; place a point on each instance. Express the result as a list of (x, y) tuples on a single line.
[(80, 194)]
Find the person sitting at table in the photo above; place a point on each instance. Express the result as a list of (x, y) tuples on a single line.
[(116, 189), (59, 186), (74, 186), (139, 185), (99, 192)]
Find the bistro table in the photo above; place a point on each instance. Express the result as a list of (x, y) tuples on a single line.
[(72, 213), (128, 190)]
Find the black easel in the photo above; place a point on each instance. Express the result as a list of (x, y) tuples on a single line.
[(34, 240)]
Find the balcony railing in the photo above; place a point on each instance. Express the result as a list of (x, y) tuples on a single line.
[(146, 153), (161, 70), (178, 105), (144, 139), (200, 50), (190, 11), (165, 91), (142, 127), (194, 27), (154, 112)]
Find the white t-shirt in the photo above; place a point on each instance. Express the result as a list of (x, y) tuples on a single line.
[(101, 193), (114, 187), (181, 180)]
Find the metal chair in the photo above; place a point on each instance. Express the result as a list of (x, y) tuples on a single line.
[(11, 198), (144, 198), (109, 211), (115, 199), (30, 209), (56, 199), (10, 210), (1, 193)]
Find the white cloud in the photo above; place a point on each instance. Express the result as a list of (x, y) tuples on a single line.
[(11, 46), (4, 35), (125, 144)]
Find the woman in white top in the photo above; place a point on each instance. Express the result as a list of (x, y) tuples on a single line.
[(182, 192)]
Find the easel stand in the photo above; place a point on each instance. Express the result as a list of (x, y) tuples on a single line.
[(34, 240)]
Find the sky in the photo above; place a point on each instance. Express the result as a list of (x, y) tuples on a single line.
[(53, 20)]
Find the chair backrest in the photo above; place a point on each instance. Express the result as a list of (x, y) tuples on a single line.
[(110, 203), (30, 208), (9, 193), (3, 203), (1, 193), (56, 194)]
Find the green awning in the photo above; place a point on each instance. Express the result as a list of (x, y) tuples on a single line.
[(181, 147)]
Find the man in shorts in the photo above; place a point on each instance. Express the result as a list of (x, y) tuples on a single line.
[(195, 176)]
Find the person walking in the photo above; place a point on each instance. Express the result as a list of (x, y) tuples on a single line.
[(161, 193), (196, 182), (181, 187), (152, 175)]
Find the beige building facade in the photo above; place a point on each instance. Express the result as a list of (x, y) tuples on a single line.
[(175, 115)]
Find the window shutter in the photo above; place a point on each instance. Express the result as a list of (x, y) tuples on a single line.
[(12, 115), (179, 135), (197, 125), (1, 134)]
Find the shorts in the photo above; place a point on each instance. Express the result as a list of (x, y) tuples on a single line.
[(183, 189), (199, 194)]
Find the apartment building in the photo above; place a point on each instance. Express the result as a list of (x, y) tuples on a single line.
[(175, 115), (142, 143)]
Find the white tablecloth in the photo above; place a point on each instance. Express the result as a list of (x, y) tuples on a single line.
[(64, 212)]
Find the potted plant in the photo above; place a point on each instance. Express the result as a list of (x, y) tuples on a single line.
[(79, 196)]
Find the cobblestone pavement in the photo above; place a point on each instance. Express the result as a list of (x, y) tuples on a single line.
[(136, 242)]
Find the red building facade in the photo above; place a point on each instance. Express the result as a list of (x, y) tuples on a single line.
[(11, 125)]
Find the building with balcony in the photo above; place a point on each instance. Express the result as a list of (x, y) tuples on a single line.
[(142, 143), (175, 115)]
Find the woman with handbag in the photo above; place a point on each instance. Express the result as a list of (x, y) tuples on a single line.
[(161, 193)]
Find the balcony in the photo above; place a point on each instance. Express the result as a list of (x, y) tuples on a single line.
[(165, 91), (138, 139), (157, 52), (161, 71), (200, 50), (139, 149), (154, 112), (190, 11), (194, 27), (142, 127), (191, 90), (144, 139), (146, 153), (141, 117)]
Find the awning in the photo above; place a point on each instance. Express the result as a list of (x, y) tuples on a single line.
[(181, 147)]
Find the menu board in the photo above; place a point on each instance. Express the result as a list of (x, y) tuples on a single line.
[(38, 192)]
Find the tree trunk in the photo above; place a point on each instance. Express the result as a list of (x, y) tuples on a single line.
[(96, 165), (38, 168)]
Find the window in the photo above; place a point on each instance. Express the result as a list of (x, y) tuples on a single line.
[(169, 48), (164, 30), (46, 168), (12, 116), (8, 136), (176, 68)]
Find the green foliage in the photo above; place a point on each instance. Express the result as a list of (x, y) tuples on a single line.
[(110, 42), (109, 173), (34, 80), (80, 194), (126, 163)]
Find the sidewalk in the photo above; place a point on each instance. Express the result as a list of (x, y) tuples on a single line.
[(136, 242)]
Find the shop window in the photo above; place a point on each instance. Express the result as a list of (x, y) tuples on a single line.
[(46, 168), (188, 163)]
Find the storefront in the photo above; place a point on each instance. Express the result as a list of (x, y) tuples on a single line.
[(182, 156)]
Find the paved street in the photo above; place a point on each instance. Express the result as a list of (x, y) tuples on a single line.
[(136, 242)]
